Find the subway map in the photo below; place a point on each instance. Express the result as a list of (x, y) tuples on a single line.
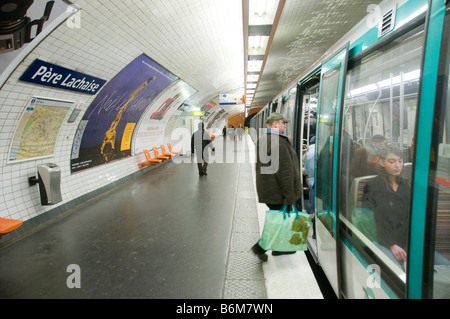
[(37, 131)]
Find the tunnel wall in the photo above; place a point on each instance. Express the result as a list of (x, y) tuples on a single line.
[(90, 49)]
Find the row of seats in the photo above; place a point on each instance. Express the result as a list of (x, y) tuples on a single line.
[(159, 158)]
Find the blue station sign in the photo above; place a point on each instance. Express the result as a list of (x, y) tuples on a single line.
[(48, 74)]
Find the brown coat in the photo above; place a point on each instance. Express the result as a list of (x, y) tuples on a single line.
[(277, 170)]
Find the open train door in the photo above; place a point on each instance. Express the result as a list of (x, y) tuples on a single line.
[(332, 84)]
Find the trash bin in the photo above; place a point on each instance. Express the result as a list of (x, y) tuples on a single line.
[(49, 178)]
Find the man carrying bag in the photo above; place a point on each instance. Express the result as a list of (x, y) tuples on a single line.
[(277, 176)]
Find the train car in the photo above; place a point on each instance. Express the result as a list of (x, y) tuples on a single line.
[(380, 99)]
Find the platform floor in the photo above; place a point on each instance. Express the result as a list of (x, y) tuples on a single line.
[(168, 234)]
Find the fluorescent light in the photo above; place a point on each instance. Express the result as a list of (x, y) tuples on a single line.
[(260, 8), (407, 77), (257, 44), (254, 65), (410, 76), (254, 41), (262, 11), (364, 89)]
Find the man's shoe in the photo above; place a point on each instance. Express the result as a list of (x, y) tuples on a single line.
[(257, 251), (279, 253)]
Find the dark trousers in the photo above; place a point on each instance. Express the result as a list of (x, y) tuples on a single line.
[(202, 167)]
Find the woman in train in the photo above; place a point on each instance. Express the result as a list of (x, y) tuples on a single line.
[(388, 196)]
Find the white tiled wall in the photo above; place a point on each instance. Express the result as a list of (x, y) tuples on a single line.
[(113, 33), (101, 48)]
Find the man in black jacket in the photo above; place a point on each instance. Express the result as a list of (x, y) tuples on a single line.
[(277, 171), (200, 142)]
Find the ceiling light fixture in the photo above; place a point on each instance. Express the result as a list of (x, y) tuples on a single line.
[(260, 17)]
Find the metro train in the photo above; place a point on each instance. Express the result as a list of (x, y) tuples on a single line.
[(386, 80)]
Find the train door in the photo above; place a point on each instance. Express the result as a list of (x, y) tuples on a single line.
[(305, 128), (380, 116), (434, 246), (330, 100)]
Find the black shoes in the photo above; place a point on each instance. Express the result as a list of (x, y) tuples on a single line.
[(279, 253), (258, 251), (261, 253)]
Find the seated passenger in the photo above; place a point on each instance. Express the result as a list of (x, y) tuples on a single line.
[(359, 165), (388, 196), (373, 148)]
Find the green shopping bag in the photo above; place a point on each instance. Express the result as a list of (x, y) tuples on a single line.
[(285, 231)]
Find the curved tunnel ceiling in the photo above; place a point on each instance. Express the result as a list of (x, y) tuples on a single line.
[(202, 41)]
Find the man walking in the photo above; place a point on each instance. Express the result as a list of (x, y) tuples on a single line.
[(200, 142)]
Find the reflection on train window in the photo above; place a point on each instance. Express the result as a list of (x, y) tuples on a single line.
[(310, 99), (325, 127), (440, 176), (289, 113), (375, 165)]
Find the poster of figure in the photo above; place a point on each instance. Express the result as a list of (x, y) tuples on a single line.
[(105, 131)]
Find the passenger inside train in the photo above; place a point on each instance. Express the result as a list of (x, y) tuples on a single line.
[(377, 143), (388, 196)]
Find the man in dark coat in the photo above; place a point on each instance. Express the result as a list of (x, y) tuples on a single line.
[(200, 142), (277, 171)]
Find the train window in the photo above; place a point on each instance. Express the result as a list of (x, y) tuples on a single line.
[(440, 175), (289, 113), (378, 124), (325, 146), (310, 99)]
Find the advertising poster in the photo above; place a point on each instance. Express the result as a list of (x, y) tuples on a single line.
[(106, 129), (152, 128), (38, 129)]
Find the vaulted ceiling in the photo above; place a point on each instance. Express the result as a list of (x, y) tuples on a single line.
[(204, 41)]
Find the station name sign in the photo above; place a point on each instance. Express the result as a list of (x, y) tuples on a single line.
[(231, 99), (44, 73)]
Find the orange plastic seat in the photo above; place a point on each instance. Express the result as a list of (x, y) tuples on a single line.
[(8, 225), (145, 164), (151, 159), (171, 150), (163, 157), (163, 149)]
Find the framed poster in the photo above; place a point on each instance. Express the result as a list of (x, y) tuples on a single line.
[(36, 133)]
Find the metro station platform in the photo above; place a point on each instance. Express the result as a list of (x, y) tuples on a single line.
[(168, 234)]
